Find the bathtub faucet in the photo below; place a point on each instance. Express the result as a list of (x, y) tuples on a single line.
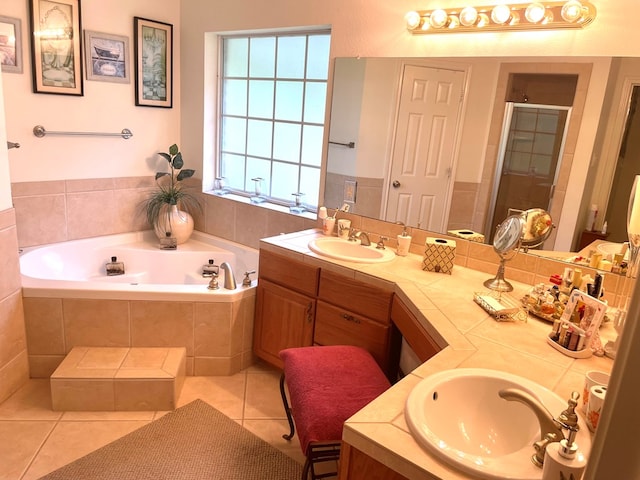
[(229, 279)]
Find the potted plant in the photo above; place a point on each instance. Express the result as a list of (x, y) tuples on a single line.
[(169, 206)]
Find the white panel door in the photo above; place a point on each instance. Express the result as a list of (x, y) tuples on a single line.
[(424, 146)]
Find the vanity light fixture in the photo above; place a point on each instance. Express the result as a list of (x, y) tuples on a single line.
[(502, 17)]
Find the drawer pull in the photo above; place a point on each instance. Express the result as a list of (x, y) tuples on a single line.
[(350, 318), (309, 312)]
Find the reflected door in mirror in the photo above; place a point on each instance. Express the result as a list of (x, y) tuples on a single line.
[(424, 146)]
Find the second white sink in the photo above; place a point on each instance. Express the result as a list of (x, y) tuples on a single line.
[(459, 417), (341, 249)]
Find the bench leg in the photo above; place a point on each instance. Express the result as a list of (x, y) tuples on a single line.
[(287, 410)]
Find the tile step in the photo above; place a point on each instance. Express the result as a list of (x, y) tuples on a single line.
[(119, 379)]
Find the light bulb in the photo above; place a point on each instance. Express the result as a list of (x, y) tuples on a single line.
[(572, 11), (439, 18), (500, 14), (468, 16), (412, 19), (534, 12)]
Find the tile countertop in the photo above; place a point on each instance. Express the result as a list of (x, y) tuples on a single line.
[(471, 339)]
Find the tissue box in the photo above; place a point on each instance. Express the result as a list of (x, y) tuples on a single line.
[(467, 235), (439, 255)]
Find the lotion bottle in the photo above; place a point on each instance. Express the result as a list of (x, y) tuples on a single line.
[(563, 460), (404, 241)]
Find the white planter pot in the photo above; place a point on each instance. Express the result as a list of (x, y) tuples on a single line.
[(178, 222)]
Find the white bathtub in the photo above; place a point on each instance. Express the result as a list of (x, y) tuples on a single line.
[(76, 269)]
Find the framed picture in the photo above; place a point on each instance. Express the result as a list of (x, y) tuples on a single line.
[(107, 57), (153, 47), (56, 48), (10, 44)]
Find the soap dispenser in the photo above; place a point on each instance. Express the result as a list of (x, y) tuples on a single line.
[(168, 242), (404, 241), (563, 459)]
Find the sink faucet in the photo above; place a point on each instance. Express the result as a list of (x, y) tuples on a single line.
[(229, 279), (362, 236), (550, 428)]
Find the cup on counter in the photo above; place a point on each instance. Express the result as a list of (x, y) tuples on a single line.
[(594, 407), (328, 224), (592, 379), (344, 226)]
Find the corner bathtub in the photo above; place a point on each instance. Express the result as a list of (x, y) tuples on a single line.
[(161, 300)]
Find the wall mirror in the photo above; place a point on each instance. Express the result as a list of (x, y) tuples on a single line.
[(440, 171)]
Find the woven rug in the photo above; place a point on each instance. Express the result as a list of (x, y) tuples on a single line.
[(195, 441)]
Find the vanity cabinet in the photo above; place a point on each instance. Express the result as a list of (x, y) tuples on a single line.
[(415, 334), (356, 465), (299, 305), (285, 306), (351, 312)]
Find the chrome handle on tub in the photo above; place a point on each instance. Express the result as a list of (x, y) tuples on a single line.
[(350, 318)]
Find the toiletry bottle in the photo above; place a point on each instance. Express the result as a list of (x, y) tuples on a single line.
[(563, 458), (114, 267), (210, 269), (168, 242), (591, 218), (404, 241)]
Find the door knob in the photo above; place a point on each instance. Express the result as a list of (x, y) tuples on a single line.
[(395, 184)]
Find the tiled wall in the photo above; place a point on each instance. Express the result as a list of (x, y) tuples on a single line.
[(14, 368), (218, 336), (56, 211)]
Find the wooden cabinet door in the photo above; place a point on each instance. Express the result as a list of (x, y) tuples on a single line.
[(356, 465), (416, 335), (283, 319)]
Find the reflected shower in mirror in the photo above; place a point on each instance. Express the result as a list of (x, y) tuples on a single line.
[(368, 111)]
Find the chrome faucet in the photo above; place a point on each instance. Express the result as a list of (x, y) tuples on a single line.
[(550, 428), (359, 235), (229, 279)]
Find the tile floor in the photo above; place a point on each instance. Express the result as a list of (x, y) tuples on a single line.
[(34, 440)]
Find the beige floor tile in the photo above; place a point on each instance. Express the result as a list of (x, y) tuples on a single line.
[(31, 402), (223, 393), (20, 442), (271, 431), (263, 396), (72, 440)]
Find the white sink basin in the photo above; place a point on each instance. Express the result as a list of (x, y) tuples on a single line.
[(341, 249), (458, 416)]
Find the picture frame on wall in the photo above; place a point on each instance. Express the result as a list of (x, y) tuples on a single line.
[(153, 51), (11, 44), (56, 53), (107, 57)]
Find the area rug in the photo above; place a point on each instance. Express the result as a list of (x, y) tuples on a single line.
[(195, 441)]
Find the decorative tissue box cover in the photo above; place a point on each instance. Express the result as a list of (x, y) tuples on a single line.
[(467, 235), (439, 255)]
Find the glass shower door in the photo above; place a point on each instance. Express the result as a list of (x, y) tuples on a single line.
[(530, 155)]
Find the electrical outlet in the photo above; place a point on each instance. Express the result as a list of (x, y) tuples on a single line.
[(350, 187)]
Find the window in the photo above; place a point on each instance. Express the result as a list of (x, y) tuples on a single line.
[(272, 108)]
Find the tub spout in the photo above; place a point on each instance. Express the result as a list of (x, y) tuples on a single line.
[(229, 279)]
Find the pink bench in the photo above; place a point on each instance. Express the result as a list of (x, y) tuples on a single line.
[(327, 385)]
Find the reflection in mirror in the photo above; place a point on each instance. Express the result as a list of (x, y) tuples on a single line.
[(505, 243), (367, 93), (537, 228)]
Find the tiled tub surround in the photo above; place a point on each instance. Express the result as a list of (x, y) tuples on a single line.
[(214, 326), (469, 337)]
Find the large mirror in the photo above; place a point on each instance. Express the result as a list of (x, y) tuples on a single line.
[(438, 143)]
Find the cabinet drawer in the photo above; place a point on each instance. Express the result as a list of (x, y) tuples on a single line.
[(290, 273), (338, 326), (360, 297)]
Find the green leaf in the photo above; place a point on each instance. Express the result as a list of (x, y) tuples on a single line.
[(177, 161), (173, 149), (166, 156), (186, 173)]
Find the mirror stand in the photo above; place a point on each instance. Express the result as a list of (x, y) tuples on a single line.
[(498, 283)]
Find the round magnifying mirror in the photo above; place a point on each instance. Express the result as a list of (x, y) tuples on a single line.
[(505, 243), (537, 227)]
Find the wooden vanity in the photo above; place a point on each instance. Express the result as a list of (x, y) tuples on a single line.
[(305, 299)]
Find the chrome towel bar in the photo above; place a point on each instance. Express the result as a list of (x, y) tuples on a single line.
[(348, 145), (39, 131)]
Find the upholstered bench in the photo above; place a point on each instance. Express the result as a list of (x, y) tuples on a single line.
[(327, 385)]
